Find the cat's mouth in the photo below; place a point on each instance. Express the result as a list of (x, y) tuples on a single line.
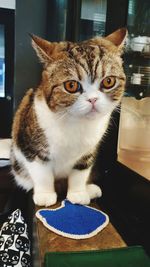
[(92, 112), (94, 109)]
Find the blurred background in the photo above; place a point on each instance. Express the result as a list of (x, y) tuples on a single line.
[(123, 164)]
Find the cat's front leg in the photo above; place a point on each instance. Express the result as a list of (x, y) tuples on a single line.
[(43, 181), (79, 192)]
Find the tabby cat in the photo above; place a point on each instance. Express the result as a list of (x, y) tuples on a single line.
[(58, 125)]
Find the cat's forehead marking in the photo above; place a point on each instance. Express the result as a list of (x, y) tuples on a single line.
[(84, 49), (87, 56)]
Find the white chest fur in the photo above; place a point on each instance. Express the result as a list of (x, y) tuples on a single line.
[(69, 138)]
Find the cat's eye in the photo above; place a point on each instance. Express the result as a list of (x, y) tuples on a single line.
[(72, 86), (108, 83), (15, 258)]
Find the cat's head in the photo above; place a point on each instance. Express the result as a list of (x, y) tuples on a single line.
[(83, 79), (22, 243), (9, 258)]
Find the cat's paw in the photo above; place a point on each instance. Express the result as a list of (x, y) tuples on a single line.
[(80, 197), (45, 199), (94, 191)]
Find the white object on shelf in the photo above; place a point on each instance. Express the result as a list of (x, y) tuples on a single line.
[(5, 145), (4, 162), (136, 78), (138, 43)]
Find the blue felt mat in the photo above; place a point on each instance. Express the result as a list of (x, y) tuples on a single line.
[(73, 220)]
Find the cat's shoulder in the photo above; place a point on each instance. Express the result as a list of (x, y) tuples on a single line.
[(27, 100), (24, 112)]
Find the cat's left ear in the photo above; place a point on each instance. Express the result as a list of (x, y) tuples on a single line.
[(118, 37)]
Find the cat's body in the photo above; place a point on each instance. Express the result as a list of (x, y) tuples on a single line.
[(58, 126)]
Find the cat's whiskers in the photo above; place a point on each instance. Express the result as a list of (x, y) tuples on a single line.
[(118, 109), (126, 108), (112, 122), (80, 107), (83, 106)]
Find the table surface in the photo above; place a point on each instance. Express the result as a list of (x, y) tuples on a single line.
[(49, 241)]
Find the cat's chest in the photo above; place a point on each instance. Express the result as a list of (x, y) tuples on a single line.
[(71, 141), (67, 146)]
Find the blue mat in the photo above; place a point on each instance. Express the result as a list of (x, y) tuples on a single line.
[(73, 220)]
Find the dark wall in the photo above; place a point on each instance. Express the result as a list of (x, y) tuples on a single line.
[(116, 15), (30, 17)]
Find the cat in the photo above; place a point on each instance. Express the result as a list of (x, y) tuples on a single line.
[(58, 125), (9, 242), (26, 260), (22, 243), (9, 258)]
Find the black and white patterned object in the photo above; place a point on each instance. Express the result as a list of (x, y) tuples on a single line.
[(14, 242)]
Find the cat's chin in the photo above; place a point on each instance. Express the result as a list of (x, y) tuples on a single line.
[(93, 114)]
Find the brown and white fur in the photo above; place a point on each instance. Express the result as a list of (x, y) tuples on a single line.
[(55, 133)]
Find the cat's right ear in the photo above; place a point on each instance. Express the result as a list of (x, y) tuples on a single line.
[(49, 51), (43, 48)]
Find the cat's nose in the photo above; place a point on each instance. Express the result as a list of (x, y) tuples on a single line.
[(92, 100)]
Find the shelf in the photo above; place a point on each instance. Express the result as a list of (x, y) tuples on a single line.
[(137, 91), (138, 86), (135, 54)]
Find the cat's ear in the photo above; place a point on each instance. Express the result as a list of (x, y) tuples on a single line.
[(118, 37), (48, 51)]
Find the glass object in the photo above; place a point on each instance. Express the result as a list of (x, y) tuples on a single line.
[(134, 130), (139, 17), (134, 135), (2, 62), (93, 18), (139, 26), (61, 7)]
